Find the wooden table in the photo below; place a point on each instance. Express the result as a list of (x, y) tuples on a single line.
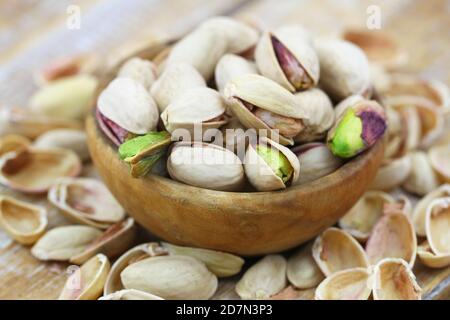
[(33, 32)]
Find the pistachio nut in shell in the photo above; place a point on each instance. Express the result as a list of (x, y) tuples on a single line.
[(316, 161), (363, 216), (357, 129), (62, 243), (174, 81), (336, 250), (302, 271), (231, 66), (87, 282), (22, 221), (115, 133), (35, 170), (349, 284), (143, 71), (270, 166), (422, 179), (264, 279), (130, 294), (260, 103), (205, 166), (171, 277), (394, 280), (437, 225), (392, 174), (71, 139), (287, 59), (222, 264), (13, 142), (439, 157), (430, 259)]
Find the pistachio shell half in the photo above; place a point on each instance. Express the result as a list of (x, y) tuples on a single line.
[(302, 271), (143, 71), (430, 259), (422, 178), (439, 157), (231, 66), (437, 225), (130, 294), (393, 173), (71, 139), (13, 142), (350, 284)]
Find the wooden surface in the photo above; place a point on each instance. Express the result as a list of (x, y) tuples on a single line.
[(33, 32)]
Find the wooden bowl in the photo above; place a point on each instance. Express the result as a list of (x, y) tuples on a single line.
[(242, 223)]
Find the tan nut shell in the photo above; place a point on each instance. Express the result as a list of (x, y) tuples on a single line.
[(86, 283), (143, 71), (422, 178), (264, 279), (336, 250), (72, 139), (22, 221), (13, 142), (171, 277), (349, 284), (439, 157), (302, 271), (231, 66), (392, 174), (130, 294), (437, 226), (430, 259)]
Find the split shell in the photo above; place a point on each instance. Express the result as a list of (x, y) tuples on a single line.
[(350, 284), (130, 294), (439, 157), (13, 143), (430, 259), (392, 174), (231, 66), (437, 225), (302, 271), (422, 178), (143, 71), (71, 139)]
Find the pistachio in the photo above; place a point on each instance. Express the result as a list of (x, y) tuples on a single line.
[(13, 143), (143, 71), (439, 157), (430, 259), (68, 98), (392, 174), (226, 290), (422, 178), (264, 279), (350, 284), (231, 66), (71, 139), (130, 294), (112, 130), (302, 271), (437, 226)]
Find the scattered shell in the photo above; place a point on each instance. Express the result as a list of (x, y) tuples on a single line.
[(393, 173), (422, 178), (130, 294), (437, 226), (231, 66), (13, 143), (430, 259), (302, 271), (71, 139), (143, 71), (350, 284), (439, 157)]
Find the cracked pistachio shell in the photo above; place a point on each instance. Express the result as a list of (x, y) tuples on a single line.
[(174, 81), (143, 71), (392, 174), (62, 243), (282, 106), (270, 166), (422, 178), (13, 143), (363, 216), (302, 271), (71, 139), (23, 222), (439, 157), (350, 284), (86, 283), (437, 225), (394, 280), (411, 128), (205, 166), (344, 68), (287, 59), (264, 279), (335, 250), (130, 294), (128, 104), (67, 98), (231, 66), (316, 161), (222, 264), (202, 49), (195, 107), (430, 259), (171, 277), (321, 115)]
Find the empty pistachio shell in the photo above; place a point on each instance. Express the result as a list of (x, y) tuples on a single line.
[(220, 263), (439, 157), (130, 294), (231, 66), (394, 280), (35, 170), (336, 250), (302, 271), (402, 205), (437, 225), (361, 219), (264, 279), (176, 79), (64, 242), (13, 142), (344, 69), (205, 166), (430, 259), (72, 139), (143, 71), (22, 221), (270, 166), (86, 283), (392, 174), (171, 277), (316, 161), (350, 284), (422, 179)]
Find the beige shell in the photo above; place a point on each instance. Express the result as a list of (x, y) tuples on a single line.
[(127, 103), (344, 68), (349, 284), (302, 271), (402, 205), (13, 142), (270, 66), (422, 178), (437, 226), (205, 166), (234, 136), (22, 221), (261, 175), (336, 250), (420, 210), (231, 66), (130, 294), (430, 259), (86, 283), (87, 201), (264, 279), (35, 170), (72, 139), (392, 174), (363, 216), (439, 157), (347, 103), (174, 81), (171, 277), (143, 71), (394, 280), (411, 132), (62, 243), (316, 161), (222, 264)]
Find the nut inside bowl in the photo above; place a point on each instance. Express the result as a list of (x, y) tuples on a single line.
[(237, 222)]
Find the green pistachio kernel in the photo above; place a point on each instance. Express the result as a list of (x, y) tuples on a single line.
[(277, 161), (346, 141), (137, 145)]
